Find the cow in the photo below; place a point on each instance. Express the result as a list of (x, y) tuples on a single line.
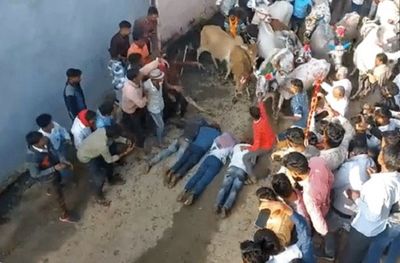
[(242, 60), (218, 43), (280, 10)]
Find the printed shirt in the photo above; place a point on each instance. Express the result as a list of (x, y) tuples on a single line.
[(316, 193), (57, 135), (377, 196), (155, 101), (300, 108)]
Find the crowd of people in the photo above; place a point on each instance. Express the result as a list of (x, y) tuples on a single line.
[(338, 172)]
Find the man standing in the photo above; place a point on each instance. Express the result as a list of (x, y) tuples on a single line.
[(139, 46), (84, 124), (95, 154), (73, 95), (46, 166), (154, 91), (148, 25), (120, 42), (316, 179)]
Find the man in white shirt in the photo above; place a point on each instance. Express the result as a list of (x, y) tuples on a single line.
[(234, 179), (342, 81), (153, 88), (374, 201), (84, 124), (338, 101), (59, 136), (352, 174)]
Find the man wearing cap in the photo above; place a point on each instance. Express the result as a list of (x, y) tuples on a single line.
[(153, 88), (73, 94)]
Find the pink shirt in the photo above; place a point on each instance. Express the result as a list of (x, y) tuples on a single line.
[(316, 193), (132, 97)]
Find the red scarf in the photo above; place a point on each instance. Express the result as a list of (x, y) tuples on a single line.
[(82, 118)]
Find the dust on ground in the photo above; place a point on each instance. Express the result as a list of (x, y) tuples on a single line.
[(144, 223)]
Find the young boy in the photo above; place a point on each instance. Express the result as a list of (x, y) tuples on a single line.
[(73, 94)]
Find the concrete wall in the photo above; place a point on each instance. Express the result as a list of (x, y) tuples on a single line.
[(177, 15), (40, 40)]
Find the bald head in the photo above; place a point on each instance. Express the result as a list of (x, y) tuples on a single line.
[(342, 73), (338, 92)]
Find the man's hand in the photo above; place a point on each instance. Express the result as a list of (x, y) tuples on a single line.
[(353, 194), (60, 166), (71, 166), (275, 205)]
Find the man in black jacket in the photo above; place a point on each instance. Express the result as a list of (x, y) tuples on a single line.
[(45, 165), (73, 94)]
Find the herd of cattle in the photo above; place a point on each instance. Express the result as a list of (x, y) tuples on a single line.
[(310, 54)]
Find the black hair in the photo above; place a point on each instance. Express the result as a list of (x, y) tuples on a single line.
[(382, 57), (383, 112), (358, 147), (281, 185), (296, 162), (295, 135), (251, 252), (334, 134), (391, 137), (134, 58), (152, 11), (137, 34), (113, 131), (298, 83), (266, 193), (392, 88), (73, 72), (391, 157), (33, 137), (90, 115), (132, 73), (268, 241), (255, 112), (124, 24), (43, 120), (312, 138), (106, 108)]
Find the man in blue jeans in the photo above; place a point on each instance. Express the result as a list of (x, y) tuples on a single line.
[(209, 168), (192, 154), (233, 181)]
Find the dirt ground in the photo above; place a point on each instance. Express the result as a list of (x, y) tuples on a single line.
[(144, 223)]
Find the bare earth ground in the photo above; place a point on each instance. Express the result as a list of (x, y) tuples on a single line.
[(144, 223)]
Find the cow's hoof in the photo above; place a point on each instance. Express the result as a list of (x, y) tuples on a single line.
[(234, 100)]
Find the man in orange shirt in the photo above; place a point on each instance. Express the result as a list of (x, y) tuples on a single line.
[(263, 139), (139, 46)]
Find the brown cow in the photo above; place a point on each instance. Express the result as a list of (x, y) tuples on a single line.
[(218, 43), (241, 63)]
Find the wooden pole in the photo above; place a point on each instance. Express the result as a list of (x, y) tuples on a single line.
[(313, 105)]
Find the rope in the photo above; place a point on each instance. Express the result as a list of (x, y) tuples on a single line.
[(313, 105)]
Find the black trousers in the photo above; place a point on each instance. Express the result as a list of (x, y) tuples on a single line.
[(99, 171), (135, 123), (356, 247)]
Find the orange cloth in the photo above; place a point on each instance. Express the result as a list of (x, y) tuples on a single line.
[(263, 134), (144, 51)]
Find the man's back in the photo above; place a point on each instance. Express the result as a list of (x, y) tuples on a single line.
[(205, 137)]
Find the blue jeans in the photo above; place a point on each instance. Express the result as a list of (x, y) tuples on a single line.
[(233, 182), (204, 175), (389, 238), (159, 121), (355, 8), (190, 158)]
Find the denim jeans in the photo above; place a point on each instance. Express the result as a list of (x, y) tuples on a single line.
[(99, 170), (391, 238), (204, 175), (190, 158), (356, 247), (233, 182), (355, 8), (159, 121)]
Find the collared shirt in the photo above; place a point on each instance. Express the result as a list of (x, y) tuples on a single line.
[(377, 197), (57, 135), (132, 97), (119, 46), (237, 156), (352, 174), (95, 145), (155, 101), (316, 193), (300, 108), (80, 132), (334, 157)]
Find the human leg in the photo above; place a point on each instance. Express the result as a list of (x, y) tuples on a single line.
[(393, 254), (163, 154), (198, 175), (158, 120), (181, 161), (380, 243), (213, 167), (224, 189), (356, 247), (97, 177), (134, 122), (236, 186), (192, 160)]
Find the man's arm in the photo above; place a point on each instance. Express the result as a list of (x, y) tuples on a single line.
[(36, 173), (316, 216)]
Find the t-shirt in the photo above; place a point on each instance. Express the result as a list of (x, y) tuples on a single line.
[(290, 253), (300, 108)]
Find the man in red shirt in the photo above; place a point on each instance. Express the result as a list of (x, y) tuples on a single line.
[(263, 140)]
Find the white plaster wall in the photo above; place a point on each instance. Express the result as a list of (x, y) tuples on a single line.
[(177, 15)]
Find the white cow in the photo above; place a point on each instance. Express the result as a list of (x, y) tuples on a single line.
[(281, 10), (387, 12)]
